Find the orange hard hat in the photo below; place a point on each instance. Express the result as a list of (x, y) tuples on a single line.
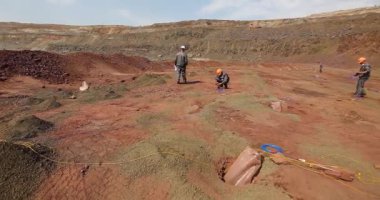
[(361, 60), (219, 71)]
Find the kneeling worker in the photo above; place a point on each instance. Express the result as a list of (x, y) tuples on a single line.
[(222, 79)]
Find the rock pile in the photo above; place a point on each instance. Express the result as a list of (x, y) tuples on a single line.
[(37, 64)]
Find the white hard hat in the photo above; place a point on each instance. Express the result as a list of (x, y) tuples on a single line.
[(183, 47), (84, 86)]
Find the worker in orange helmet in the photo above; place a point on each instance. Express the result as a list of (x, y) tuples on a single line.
[(363, 74), (222, 79)]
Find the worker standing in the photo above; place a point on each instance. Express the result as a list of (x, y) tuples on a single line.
[(181, 62), (222, 79), (363, 74), (320, 67)]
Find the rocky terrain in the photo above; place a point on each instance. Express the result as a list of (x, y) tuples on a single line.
[(331, 37)]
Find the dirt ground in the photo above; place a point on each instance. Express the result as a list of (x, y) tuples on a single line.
[(139, 135)]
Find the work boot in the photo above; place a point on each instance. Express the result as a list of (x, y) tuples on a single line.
[(178, 82)]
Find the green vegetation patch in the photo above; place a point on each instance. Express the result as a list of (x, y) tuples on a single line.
[(22, 170), (228, 144), (28, 127), (257, 191), (331, 152), (101, 93), (48, 104), (146, 80), (154, 122), (169, 156)]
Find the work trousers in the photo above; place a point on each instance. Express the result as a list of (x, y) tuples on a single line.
[(181, 71), (360, 87)]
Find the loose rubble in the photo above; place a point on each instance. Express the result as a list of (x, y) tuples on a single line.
[(37, 64)]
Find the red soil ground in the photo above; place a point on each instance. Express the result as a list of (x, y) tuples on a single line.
[(322, 120)]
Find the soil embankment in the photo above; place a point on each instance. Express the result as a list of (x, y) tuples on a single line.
[(331, 38), (58, 68)]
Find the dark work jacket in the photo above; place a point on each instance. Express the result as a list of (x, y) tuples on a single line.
[(181, 59), (223, 78), (365, 67)]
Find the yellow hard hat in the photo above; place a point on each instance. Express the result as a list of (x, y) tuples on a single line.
[(219, 71), (361, 60)]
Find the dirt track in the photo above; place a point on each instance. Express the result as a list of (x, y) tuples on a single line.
[(153, 115)]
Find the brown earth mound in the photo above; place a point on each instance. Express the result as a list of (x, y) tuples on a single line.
[(38, 64), (50, 103), (83, 63), (20, 100), (29, 127), (58, 69), (22, 170)]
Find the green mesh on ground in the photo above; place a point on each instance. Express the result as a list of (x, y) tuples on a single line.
[(146, 80), (170, 161), (332, 152), (101, 93), (259, 192)]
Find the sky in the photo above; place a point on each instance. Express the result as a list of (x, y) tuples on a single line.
[(146, 12)]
